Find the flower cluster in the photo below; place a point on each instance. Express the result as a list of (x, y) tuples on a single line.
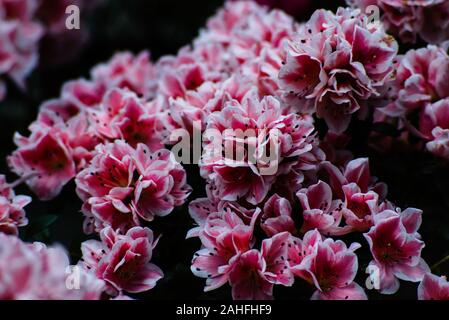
[(106, 132), (231, 56), (251, 236), (229, 255), (420, 91), (89, 112), (283, 198), (335, 63), (350, 200), (410, 20), (123, 185), (396, 247), (288, 139)]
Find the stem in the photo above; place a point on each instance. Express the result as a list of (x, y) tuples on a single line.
[(436, 265), (410, 128), (22, 180)]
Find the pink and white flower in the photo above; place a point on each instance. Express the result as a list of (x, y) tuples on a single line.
[(435, 125), (12, 214), (247, 277), (276, 216), (162, 184), (359, 192), (396, 249), (320, 211), (331, 266), (224, 235), (433, 287), (254, 79), (356, 171), (358, 207), (122, 115), (123, 260), (254, 273), (125, 70), (46, 159), (275, 253), (421, 79)]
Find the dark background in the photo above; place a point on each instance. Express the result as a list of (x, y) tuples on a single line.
[(414, 178)]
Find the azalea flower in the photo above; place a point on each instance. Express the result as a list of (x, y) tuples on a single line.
[(435, 125), (122, 260), (12, 214), (254, 273), (46, 158), (359, 192), (331, 266), (122, 115), (247, 278), (276, 216), (281, 189), (275, 253), (320, 211), (126, 70), (396, 250), (421, 79), (433, 287), (224, 235)]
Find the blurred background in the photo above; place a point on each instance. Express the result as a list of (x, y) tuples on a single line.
[(162, 27)]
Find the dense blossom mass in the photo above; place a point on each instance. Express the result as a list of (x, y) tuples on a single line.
[(283, 194), (416, 100), (335, 63)]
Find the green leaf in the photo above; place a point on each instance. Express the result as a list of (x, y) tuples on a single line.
[(40, 224)]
